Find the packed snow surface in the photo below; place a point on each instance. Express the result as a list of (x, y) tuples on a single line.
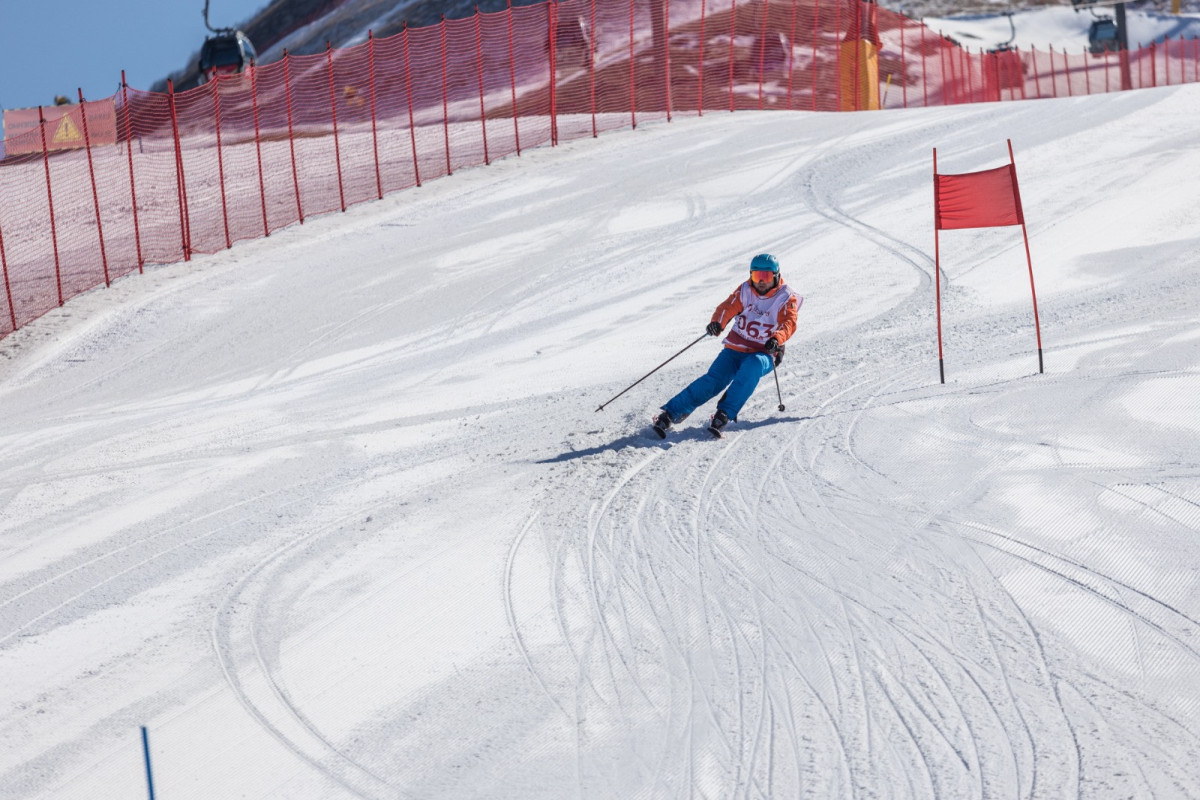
[(1062, 27), (333, 513)]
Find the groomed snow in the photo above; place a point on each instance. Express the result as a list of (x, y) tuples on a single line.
[(333, 513)]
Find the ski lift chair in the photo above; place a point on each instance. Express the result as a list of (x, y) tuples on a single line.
[(1102, 36), (228, 52)]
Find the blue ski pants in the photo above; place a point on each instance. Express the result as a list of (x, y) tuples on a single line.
[(733, 368)]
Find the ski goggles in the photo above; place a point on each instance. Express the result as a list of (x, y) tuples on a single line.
[(762, 275)]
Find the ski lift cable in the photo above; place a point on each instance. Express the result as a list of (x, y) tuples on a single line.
[(992, 11)]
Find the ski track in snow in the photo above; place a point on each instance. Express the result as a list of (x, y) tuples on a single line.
[(892, 589)]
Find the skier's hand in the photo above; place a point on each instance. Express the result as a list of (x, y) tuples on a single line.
[(779, 355), (713, 328), (772, 345)]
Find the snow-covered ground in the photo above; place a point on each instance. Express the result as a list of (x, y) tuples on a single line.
[(1060, 27), (333, 513)]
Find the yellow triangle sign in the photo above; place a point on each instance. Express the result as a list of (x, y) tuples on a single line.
[(68, 132)]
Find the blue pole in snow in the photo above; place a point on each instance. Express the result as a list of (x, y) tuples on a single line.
[(146, 752)]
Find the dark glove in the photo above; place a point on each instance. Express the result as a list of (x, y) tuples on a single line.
[(771, 345), (713, 328), (779, 355)]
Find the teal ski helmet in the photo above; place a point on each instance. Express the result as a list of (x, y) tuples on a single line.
[(765, 262)]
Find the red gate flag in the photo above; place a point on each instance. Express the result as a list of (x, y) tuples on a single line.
[(987, 199)]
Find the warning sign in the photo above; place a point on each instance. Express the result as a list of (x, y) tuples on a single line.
[(67, 134), (63, 127)]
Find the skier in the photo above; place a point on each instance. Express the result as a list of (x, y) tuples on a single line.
[(763, 310)]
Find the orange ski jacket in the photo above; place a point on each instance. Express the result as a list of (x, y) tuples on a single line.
[(757, 318)]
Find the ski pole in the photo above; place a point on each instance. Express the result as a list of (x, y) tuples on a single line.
[(651, 372), (778, 391)]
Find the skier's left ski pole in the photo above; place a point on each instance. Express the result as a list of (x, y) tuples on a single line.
[(651, 372), (775, 371)]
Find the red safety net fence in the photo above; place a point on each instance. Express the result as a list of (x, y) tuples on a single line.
[(247, 154)]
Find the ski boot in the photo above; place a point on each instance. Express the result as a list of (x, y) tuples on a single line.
[(662, 424), (718, 423)]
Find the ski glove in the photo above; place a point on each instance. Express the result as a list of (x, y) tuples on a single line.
[(713, 328), (779, 355), (772, 345)]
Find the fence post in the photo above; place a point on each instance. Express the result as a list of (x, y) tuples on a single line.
[(337, 148), (1153, 64), (837, 55), (732, 36), (1053, 73), (551, 49), (287, 95), (445, 98), (215, 83), (591, 57), (632, 73), (700, 63), (791, 64), (1067, 73), (969, 73), (951, 67), (964, 75), (924, 70), (185, 235), (479, 63), (1037, 78), (87, 143), (816, 31), (762, 52), (50, 199), (12, 312), (512, 73), (667, 53), (946, 63), (262, 189), (1037, 325), (137, 234), (975, 65), (412, 130), (374, 126), (972, 65)]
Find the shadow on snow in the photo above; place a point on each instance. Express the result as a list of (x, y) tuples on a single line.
[(648, 438)]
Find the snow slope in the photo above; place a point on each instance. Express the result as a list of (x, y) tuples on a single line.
[(1060, 27), (333, 514)]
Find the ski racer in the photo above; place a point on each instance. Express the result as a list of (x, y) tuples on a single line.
[(763, 311)]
